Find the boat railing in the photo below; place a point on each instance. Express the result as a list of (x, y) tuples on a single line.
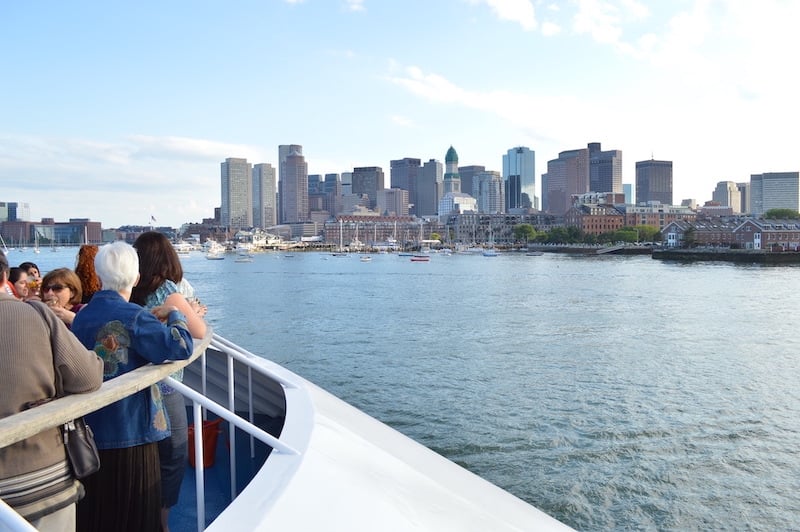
[(57, 412)]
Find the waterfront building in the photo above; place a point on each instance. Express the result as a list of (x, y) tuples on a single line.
[(264, 184), (737, 233), (565, 176), (594, 218), (451, 180), (655, 214), (368, 180), (488, 189), (727, 194), (519, 173), (467, 175), (49, 232), (478, 228), (393, 202), (774, 190), (236, 208), (404, 174), (429, 189), (294, 188), (654, 181), (605, 169), (372, 229)]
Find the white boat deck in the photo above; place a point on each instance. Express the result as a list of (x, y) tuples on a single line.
[(334, 468)]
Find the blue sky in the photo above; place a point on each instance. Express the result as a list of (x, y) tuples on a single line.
[(122, 110)]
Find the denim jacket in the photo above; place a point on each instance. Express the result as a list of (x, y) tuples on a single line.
[(127, 336)]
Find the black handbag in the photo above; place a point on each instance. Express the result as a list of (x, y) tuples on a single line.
[(78, 436), (81, 449)]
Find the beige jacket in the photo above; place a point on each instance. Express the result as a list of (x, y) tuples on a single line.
[(32, 341)]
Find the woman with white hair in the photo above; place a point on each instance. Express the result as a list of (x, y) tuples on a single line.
[(126, 493)]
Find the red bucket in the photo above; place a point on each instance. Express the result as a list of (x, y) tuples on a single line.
[(211, 432)]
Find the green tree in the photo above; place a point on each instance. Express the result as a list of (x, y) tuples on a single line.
[(524, 233), (781, 214), (435, 236)]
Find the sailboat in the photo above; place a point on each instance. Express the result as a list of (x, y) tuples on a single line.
[(3, 244), (36, 241)]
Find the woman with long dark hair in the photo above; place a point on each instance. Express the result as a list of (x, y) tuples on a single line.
[(160, 277)]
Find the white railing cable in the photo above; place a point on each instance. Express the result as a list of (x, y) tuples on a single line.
[(232, 418), (12, 521), (245, 357), (200, 487)]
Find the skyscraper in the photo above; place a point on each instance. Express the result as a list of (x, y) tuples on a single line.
[(294, 188), (451, 180), (774, 190), (284, 150), (404, 174), (605, 169), (654, 181), (488, 188), (264, 211), (519, 173), (727, 194), (236, 210), (429, 188), (467, 173), (567, 175), (368, 180), (333, 191)]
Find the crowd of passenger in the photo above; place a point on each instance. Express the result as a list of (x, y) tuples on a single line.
[(120, 308)]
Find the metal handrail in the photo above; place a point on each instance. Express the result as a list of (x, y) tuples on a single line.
[(30, 422)]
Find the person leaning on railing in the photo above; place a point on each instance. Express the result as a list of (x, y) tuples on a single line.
[(126, 493), (160, 282), (35, 478)]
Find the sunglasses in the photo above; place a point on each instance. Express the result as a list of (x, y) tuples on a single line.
[(53, 287)]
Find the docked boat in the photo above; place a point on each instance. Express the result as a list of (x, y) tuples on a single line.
[(420, 258), (295, 458)]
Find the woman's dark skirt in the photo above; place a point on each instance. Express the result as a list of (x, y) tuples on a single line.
[(125, 495)]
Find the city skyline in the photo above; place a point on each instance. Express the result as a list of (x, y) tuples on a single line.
[(118, 115)]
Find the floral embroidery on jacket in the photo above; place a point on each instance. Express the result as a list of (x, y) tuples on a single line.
[(112, 346)]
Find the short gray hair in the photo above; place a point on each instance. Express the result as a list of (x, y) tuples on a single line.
[(117, 266)]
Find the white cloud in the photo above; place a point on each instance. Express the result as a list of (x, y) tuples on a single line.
[(355, 5), (401, 120), (519, 11), (550, 28), (598, 19), (119, 182)]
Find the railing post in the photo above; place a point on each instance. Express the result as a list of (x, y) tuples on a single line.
[(200, 489)]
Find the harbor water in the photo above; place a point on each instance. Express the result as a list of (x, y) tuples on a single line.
[(610, 392)]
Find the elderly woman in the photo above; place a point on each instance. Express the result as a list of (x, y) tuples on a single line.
[(61, 291), (126, 493)]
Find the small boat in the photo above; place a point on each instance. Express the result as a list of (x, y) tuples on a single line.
[(244, 258), (490, 252), (420, 258), (366, 259), (534, 253)]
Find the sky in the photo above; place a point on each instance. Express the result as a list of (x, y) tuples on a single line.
[(119, 111)]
